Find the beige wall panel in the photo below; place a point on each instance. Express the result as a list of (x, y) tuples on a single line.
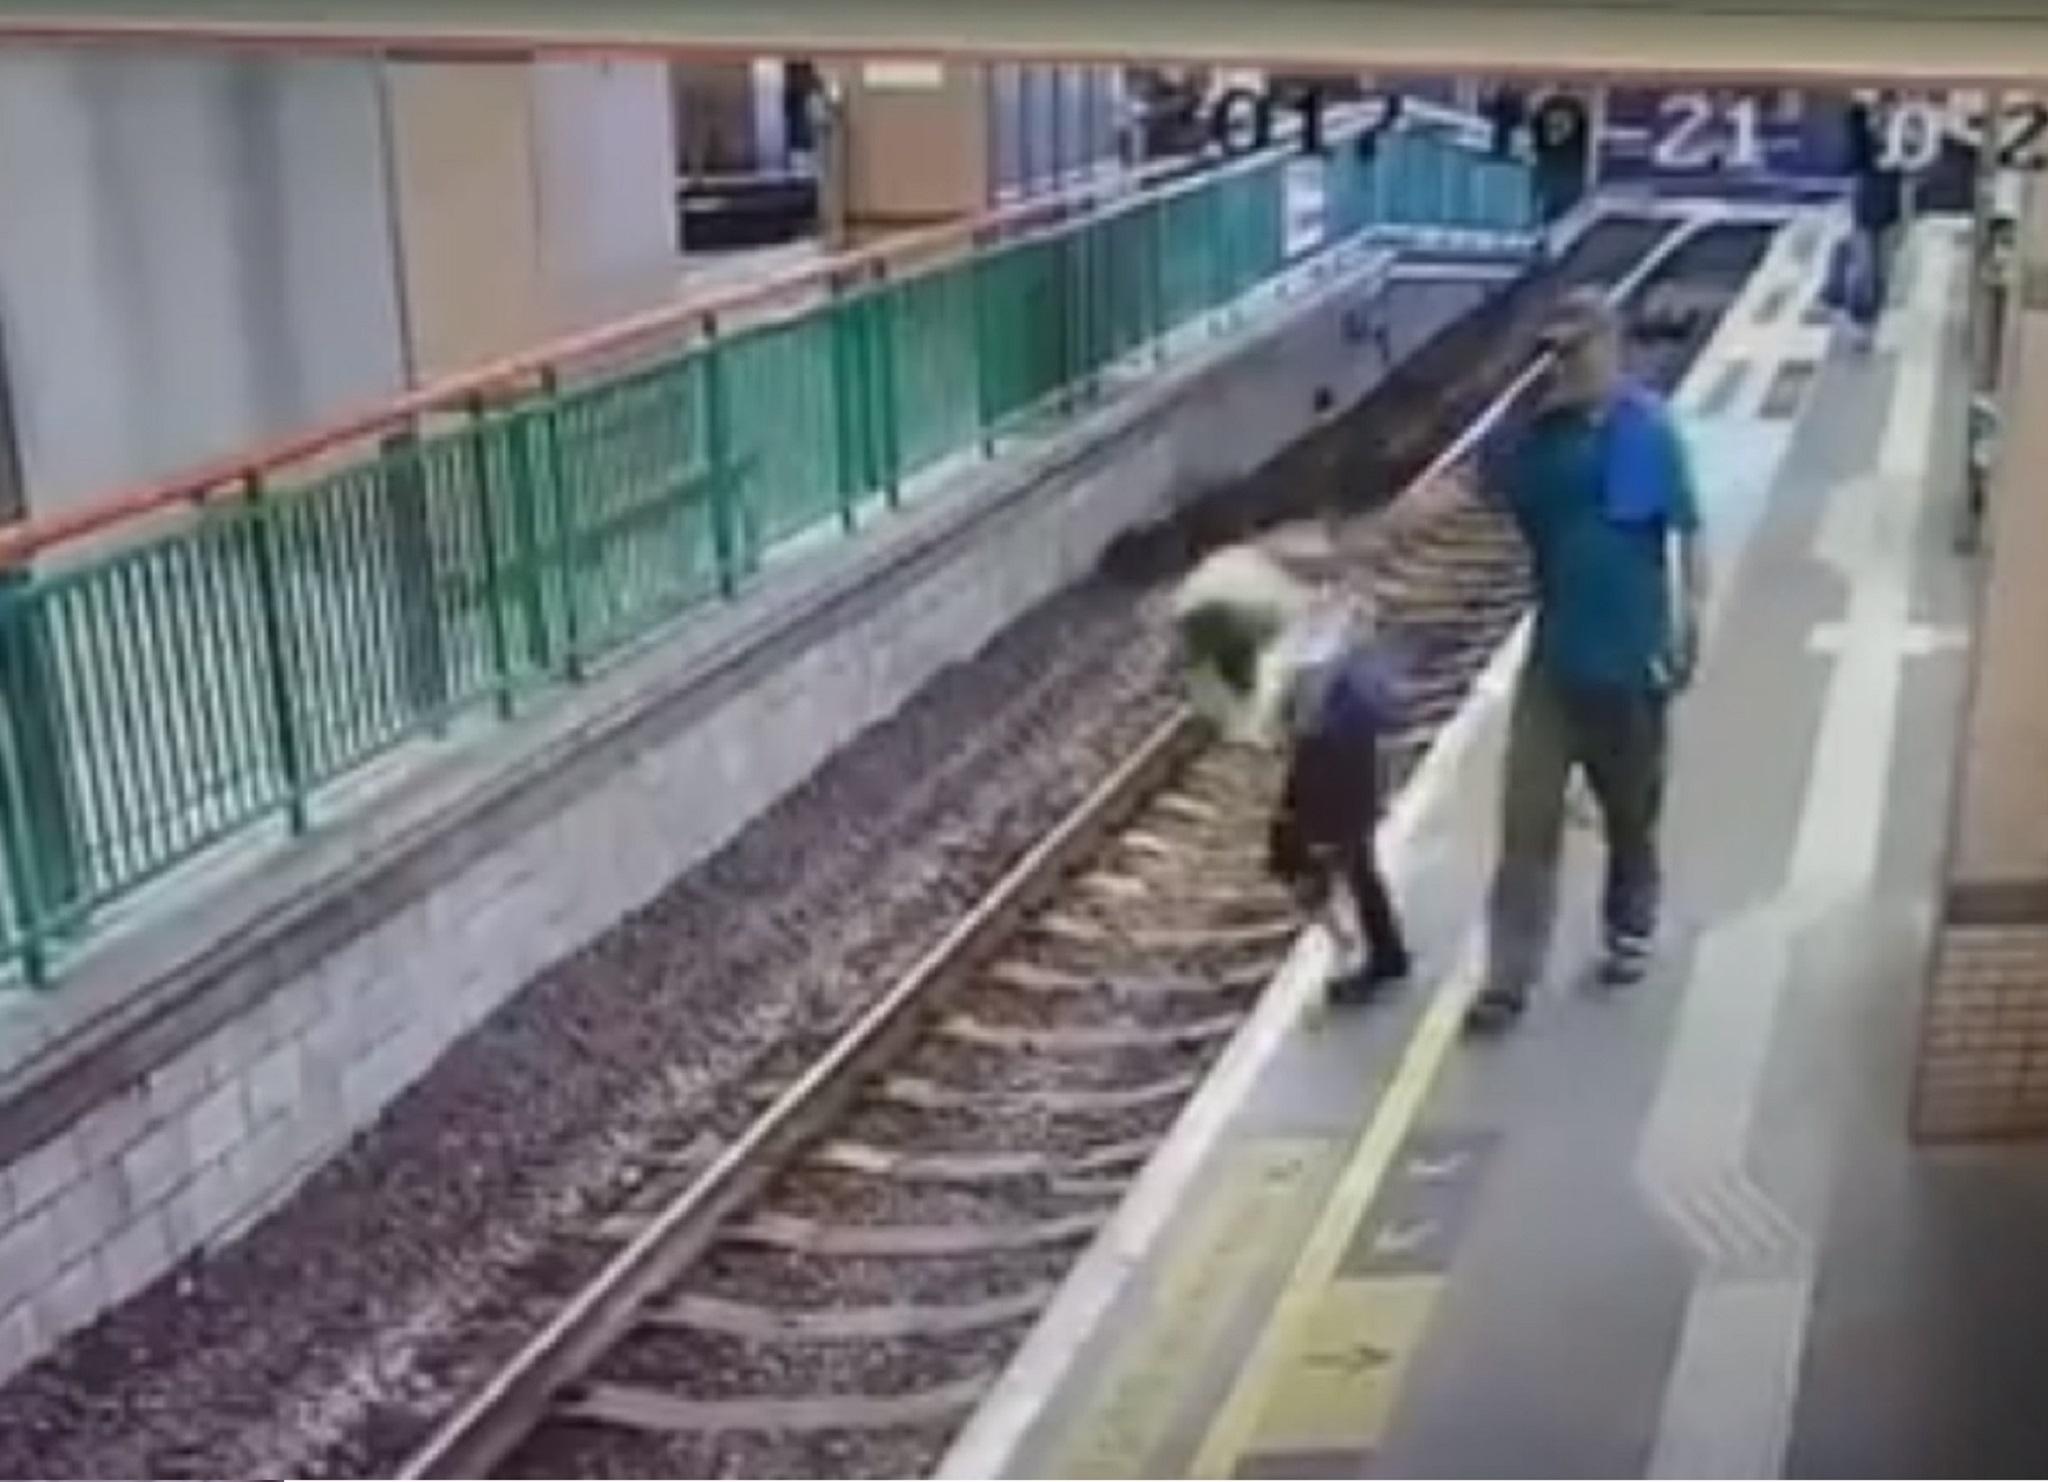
[(463, 142), (917, 142)]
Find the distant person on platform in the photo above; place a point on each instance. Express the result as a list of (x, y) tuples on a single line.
[(1876, 210), (1278, 656), (1597, 479), (1507, 111)]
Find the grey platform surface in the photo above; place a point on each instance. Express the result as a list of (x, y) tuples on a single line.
[(1677, 1231)]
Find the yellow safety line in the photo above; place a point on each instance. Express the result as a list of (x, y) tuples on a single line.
[(1264, 1192), (1237, 1422)]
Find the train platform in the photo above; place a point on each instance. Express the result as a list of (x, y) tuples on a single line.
[(1676, 1230)]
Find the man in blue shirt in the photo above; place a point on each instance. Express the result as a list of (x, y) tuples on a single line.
[(1596, 478), (1876, 208)]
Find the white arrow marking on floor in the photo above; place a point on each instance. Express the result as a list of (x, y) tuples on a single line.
[(1402, 1239), (1428, 1170), (1355, 1359)]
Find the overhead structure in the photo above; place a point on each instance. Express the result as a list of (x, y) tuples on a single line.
[(1945, 41)]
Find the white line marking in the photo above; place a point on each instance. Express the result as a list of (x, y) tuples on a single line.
[(1741, 336), (1744, 1377), (1919, 641), (1727, 1403)]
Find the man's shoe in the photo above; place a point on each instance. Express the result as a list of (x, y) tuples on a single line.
[(1371, 980), (1495, 1010), (1627, 961), (1390, 967)]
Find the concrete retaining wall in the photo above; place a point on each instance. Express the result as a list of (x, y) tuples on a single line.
[(189, 1074)]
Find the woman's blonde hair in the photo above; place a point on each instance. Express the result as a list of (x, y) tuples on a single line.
[(1249, 614)]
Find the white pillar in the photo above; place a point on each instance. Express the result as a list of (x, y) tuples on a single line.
[(771, 144)]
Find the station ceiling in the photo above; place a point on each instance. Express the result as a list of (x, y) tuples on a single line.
[(1939, 41)]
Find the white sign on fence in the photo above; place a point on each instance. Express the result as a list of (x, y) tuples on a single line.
[(1304, 197), (892, 76)]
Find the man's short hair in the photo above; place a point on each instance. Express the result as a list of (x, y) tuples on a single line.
[(1581, 316)]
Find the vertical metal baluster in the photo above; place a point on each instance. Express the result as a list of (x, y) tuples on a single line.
[(842, 328), (882, 367), (718, 456), (49, 816), (980, 285), (569, 562), (278, 666), (496, 631), (526, 532), (24, 876)]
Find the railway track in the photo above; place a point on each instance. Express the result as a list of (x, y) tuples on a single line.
[(835, 1290)]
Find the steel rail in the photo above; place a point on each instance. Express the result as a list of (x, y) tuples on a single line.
[(507, 1408)]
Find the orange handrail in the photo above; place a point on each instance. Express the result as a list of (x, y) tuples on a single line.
[(22, 540)]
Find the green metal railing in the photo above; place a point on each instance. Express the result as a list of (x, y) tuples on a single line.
[(220, 673)]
